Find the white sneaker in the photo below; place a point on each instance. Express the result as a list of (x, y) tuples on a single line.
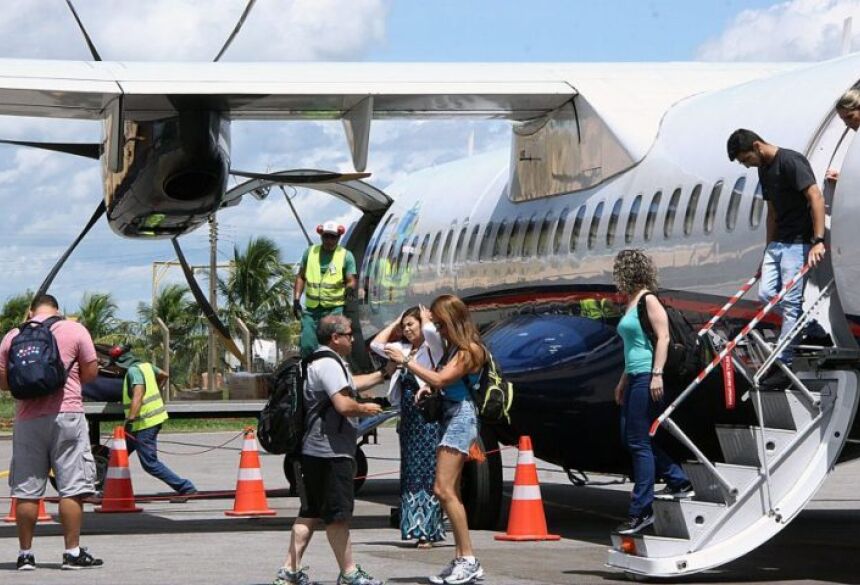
[(464, 572), (446, 572)]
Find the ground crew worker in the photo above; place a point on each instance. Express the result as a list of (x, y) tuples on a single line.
[(144, 414), (328, 279)]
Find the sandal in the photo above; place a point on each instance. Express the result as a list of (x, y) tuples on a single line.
[(424, 544)]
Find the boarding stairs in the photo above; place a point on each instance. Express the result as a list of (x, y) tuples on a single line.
[(770, 470)]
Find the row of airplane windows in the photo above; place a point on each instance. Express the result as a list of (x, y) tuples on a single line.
[(542, 237)]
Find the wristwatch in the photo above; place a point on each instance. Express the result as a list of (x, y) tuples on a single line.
[(816, 241), (656, 372)]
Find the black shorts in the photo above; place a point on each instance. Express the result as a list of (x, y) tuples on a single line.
[(327, 490)]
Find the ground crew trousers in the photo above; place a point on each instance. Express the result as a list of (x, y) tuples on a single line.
[(310, 319), (145, 442)]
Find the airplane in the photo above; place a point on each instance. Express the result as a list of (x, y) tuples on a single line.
[(602, 157)]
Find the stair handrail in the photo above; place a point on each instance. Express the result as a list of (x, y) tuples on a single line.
[(730, 303), (727, 350)]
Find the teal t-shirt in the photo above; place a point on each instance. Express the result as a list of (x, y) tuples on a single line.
[(638, 352), (325, 259)]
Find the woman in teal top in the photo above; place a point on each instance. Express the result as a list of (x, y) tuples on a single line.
[(640, 390)]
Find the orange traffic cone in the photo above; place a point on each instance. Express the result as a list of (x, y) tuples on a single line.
[(119, 494), (527, 520), (250, 492), (43, 513)]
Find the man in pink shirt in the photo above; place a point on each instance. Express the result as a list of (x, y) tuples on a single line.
[(51, 433)]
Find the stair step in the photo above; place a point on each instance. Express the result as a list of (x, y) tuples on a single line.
[(706, 486), (787, 409), (653, 546), (685, 518), (741, 445)]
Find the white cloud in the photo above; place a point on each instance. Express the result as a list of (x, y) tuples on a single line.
[(798, 30), (194, 30)]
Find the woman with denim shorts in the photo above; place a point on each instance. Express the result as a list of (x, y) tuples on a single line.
[(640, 390), (465, 356)]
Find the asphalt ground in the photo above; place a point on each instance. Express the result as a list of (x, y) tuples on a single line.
[(194, 542)]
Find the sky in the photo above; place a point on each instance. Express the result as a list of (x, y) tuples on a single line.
[(46, 197)]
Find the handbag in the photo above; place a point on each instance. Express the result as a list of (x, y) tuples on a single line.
[(430, 407)]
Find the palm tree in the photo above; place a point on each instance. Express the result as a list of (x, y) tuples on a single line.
[(14, 311), (259, 288), (97, 313)]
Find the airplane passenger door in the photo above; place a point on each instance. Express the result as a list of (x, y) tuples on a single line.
[(844, 240)]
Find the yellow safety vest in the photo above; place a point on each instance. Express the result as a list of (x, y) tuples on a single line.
[(152, 411), (325, 290)]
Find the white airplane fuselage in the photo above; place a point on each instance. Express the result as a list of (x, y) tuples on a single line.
[(534, 272)]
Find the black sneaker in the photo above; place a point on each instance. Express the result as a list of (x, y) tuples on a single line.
[(26, 562), (635, 524), (84, 560), (684, 490)]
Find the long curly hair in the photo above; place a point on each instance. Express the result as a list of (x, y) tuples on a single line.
[(458, 329), (633, 271)]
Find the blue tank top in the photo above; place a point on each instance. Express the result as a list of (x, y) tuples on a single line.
[(457, 391), (638, 353)]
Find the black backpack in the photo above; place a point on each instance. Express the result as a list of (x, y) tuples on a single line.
[(35, 367), (281, 425), (687, 353), (492, 393)]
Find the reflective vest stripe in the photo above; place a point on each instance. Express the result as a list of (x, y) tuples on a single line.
[(325, 290), (152, 410)]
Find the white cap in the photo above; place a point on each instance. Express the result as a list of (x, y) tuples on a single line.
[(330, 227)]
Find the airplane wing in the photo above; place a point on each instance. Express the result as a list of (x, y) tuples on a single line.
[(629, 98)]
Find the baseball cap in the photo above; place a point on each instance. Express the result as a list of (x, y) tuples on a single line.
[(330, 227)]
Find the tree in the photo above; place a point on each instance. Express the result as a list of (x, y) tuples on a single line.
[(97, 313), (259, 288), (14, 311)]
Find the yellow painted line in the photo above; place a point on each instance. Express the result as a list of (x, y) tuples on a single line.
[(4, 473)]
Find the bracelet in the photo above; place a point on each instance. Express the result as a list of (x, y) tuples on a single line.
[(656, 372)]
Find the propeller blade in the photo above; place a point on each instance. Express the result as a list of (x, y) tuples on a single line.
[(46, 284), (236, 29), (92, 47), (84, 149), (204, 305), (309, 177)]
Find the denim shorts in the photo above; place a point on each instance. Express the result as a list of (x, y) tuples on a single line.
[(459, 425)]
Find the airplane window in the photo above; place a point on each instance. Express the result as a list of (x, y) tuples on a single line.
[(713, 204), (595, 223), (502, 235), (577, 227), (486, 242), (545, 231), (531, 237), (735, 203), (431, 257), (459, 249), (671, 210), (613, 222), (559, 231), (445, 258), (692, 204), (375, 243), (631, 219), (515, 242), (757, 207), (651, 219), (421, 252), (471, 252)]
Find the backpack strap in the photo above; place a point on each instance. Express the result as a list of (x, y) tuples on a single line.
[(644, 319), (317, 355)]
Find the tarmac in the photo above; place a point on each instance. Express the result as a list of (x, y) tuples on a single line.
[(194, 542)]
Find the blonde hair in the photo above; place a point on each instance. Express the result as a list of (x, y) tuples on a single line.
[(633, 271), (850, 100), (459, 330)]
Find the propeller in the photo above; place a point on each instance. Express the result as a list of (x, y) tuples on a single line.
[(85, 149), (302, 177), (46, 284)]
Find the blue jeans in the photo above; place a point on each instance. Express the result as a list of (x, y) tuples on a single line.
[(145, 442), (782, 261), (638, 411)]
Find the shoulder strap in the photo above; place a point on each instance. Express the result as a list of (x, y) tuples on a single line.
[(644, 319), (317, 355)]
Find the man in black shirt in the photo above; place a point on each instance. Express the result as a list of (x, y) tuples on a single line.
[(795, 222)]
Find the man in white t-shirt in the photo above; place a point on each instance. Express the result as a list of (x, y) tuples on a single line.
[(328, 453)]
